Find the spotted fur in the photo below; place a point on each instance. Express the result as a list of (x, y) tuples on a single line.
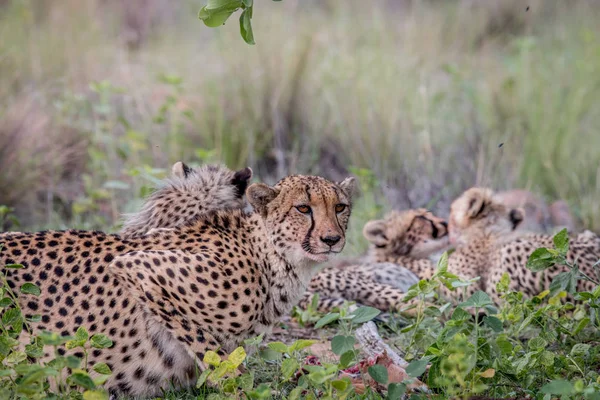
[(167, 298), (188, 193), (488, 244)]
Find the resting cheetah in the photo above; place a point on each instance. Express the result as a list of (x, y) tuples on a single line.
[(167, 298), (408, 238), (487, 245), (368, 283), (396, 260), (187, 194)]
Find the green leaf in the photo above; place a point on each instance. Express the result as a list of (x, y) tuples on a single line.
[(540, 260), (416, 368), (16, 357), (102, 368), (6, 372), (460, 315), (396, 391), (347, 358), (216, 12), (327, 319), (442, 264), (35, 350), (295, 394), (558, 387), (81, 336), (504, 344), (255, 341), (95, 395), (269, 355), (379, 373), (246, 381), (289, 366), (479, 299), (561, 242), (278, 347), (493, 323), (212, 358), (237, 356), (72, 362), (100, 341), (581, 325), (246, 26), (537, 343), (504, 283), (11, 316), (34, 318), (81, 379), (341, 344), (364, 314), (340, 384), (263, 391), (301, 344), (223, 368), (202, 378), (566, 281), (5, 302), (580, 350)]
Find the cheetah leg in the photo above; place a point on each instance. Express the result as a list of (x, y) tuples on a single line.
[(359, 287), (174, 316), (324, 304)]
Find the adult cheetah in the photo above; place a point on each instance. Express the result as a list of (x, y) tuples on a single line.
[(412, 234), (488, 244), (167, 298)]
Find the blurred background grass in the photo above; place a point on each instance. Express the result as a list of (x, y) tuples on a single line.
[(421, 99)]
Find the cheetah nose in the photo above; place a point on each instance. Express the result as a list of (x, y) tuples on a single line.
[(331, 240)]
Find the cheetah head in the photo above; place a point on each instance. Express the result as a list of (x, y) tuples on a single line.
[(305, 216), (414, 233), (478, 213)]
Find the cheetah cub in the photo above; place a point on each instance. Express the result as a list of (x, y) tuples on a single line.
[(167, 298), (488, 244), (399, 256)]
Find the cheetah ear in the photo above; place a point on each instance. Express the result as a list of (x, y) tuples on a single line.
[(516, 216), (180, 170), (348, 185), (477, 207), (374, 232), (260, 195), (240, 180)]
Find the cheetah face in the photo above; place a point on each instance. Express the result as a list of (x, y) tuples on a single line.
[(414, 233), (305, 216), (478, 213)]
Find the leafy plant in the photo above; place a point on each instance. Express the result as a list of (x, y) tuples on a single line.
[(216, 12), (23, 376)]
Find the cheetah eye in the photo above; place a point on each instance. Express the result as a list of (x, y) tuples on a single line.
[(340, 207), (304, 209)]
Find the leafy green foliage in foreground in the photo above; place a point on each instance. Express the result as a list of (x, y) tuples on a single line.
[(22, 376), (541, 348), (216, 12)]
